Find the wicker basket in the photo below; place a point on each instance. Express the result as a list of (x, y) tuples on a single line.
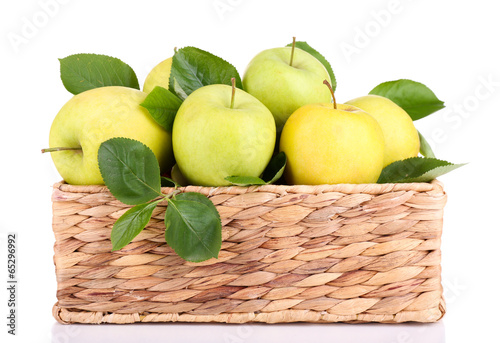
[(332, 253)]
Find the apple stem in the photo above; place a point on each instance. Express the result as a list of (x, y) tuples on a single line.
[(175, 50), (233, 83), (331, 91), (59, 149), (293, 50)]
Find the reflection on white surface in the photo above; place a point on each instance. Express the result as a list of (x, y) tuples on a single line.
[(262, 333)]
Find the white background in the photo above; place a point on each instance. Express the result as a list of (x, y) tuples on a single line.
[(451, 46)]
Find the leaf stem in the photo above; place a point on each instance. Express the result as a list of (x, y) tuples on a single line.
[(233, 83), (60, 149), (331, 91), (293, 50), (171, 195)]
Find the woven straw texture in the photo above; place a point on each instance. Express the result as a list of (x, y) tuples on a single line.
[(333, 253)]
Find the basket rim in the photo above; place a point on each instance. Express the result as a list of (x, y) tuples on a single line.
[(366, 188)]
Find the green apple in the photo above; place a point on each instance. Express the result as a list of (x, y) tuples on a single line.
[(401, 136), (220, 132), (329, 144), (158, 76), (285, 79), (94, 116)]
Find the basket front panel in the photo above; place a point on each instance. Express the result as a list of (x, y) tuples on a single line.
[(288, 254)]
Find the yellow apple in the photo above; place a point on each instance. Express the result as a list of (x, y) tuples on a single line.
[(94, 116), (400, 134), (158, 76), (330, 144)]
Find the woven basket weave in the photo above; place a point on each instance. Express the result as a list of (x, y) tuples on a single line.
[(332, 253)]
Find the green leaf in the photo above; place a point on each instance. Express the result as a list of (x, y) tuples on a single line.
[(130, 170), (176, 88), (271, 174), (245, 181), (168, 182), (193, 227), (275, 168), (193, 68), (131, 223), (82, 72), (425, 148), (162, 105), (414, 97), (306, 47), (416, 169)]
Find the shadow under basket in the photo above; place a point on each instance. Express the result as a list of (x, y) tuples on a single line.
[(322, 254)]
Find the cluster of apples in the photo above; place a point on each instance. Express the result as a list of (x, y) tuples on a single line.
[(220, 131)]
